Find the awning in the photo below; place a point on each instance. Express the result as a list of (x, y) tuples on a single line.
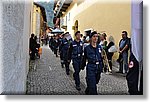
[(57, 31), (90, 29)]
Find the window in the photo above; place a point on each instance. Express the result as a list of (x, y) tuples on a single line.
[(66, 20), (69, 17)]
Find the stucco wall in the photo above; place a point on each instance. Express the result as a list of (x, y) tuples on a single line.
[(70, 14), (14, 46), (109, 17), (112, 18), (36, 20)]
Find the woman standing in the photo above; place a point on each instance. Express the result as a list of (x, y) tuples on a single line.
[(92, 53), (110, 53)]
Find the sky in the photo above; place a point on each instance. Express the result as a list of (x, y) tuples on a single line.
[(48, 5), (41, 0)]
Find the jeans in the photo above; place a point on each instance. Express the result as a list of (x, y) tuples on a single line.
[(125, 61)]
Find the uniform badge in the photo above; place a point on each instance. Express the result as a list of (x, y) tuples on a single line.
[(131, 64), (74, 45), (99, 50), (97, 62), (65, 42)]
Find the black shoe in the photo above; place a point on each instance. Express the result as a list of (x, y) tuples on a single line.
[(73, 77), (78, 88), (62, 66), (118, 72), (32, 58), (67, 73), (124, 74), (118, 60), (87, 91)]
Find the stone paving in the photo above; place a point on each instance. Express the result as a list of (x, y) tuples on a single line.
[(46, 77)]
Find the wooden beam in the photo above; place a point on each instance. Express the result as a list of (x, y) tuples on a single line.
[(62, 10)]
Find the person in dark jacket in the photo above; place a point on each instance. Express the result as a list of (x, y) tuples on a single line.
[(64, 53), (51, 43), (37, 46), (92, 53), (135, 75), (124, 45), (61, 50), (134, 86), (32, 46), (46, 40), (56, 46), (75, 53)]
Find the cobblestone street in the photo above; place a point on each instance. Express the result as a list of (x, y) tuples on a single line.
[(46, 77)]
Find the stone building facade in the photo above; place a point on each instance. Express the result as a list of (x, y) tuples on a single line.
[(14, 40)]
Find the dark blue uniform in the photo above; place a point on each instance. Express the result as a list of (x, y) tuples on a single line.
[(61, 52), (75, 53), (133, 77), (93, 68), (51, 43), (64, 51), (56, 46)]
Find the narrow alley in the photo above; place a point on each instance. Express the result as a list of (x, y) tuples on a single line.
[(46, 77), (103, 38)]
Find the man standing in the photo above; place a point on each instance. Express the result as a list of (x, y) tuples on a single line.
[(75, 53), (32, 47), (64, 53), (123, 50)]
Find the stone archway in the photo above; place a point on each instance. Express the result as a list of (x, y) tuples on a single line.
[(76, 26)]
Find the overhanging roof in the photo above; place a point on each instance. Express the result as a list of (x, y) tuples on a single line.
[(42, 10), (61, 6)]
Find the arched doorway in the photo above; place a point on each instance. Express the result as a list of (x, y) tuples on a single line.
[(75, 26)]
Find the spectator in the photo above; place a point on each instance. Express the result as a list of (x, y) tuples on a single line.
[(123, 50), (110, 53), (32, 46)]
